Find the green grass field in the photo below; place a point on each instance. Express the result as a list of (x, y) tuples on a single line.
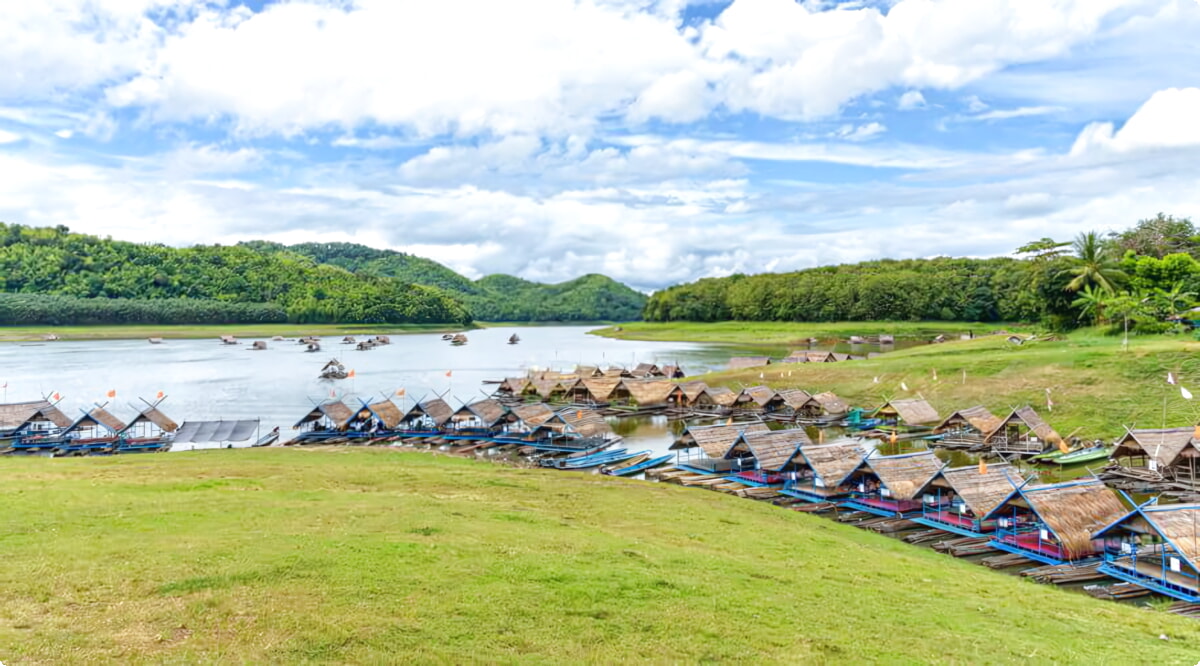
[(774, 333), (368, 556), (136, 332)]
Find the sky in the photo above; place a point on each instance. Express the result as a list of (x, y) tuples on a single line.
[(654, 141)]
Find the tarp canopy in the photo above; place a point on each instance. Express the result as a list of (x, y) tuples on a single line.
[(215, 431)]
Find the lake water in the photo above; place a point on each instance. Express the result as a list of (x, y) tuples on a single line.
[(205, 380)]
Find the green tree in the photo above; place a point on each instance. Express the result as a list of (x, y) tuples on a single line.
[(1159, 236), (1093, 264), (1091, 303)]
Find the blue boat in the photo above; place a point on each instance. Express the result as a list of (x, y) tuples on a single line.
[(642, 466), (559, 462), (610, 460)]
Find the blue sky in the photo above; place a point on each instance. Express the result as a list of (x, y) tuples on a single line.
[(654, 141)]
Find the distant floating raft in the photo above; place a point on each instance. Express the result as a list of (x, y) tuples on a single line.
[(258, 345), (155, 341), (228, 340)]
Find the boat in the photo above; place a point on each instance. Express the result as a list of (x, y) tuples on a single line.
[(267, 439), (514, 339), (611, 458), (642, 466), (334, 370), (609, 469), (458, 340), (1083, 455), (1049, 456)]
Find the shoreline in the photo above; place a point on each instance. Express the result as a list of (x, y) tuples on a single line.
[(203, 331), (777, 334)]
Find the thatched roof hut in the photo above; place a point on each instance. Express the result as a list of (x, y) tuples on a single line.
[(435, 410), (912, 411), (903, 475), (795, 398), (587, 371), (583, 422), (388, 414), (649, 393), (833, 462), (487, 413), (601, 389), (17, 415), (673, 372), (97, 417), (762, 396), (532, 415), (258, 345), (549, 389), (1176, 524), (513, 385), (771, 449), (977, 418), (228, 340), (645, 370), (831, 404), (349, 340), (722, 396), (715, 440), (982, 493), (743, 362), (1163, 446), (616, 372), (382, 340), (337, 412), (1032, 422), (1072, 511)]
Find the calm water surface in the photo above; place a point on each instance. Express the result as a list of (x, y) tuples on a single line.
[(205, 380)]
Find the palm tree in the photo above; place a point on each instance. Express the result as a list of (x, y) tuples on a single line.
[(1091, 303), (1093, 264), (1174, 301)]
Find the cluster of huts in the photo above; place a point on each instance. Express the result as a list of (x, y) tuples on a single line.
[(1071, 525), (40, 427)]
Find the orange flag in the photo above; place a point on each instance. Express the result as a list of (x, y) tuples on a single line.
[(448, 372), (578, 414), (729, 422), (57, 396), (400, 392), (982, 466), (112, 393), (1062, 446), (893, 438), (159, 395), (350, 374)]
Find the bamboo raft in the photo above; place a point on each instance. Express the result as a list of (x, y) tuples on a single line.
[(924, 536), (1185, 608), (890, 525), (1116, 591), (964, 547), (1005, 560), (819, 507), (854, 516), (1063, 574)]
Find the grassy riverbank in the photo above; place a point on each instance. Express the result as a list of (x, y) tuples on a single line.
[(29, 333), (773, 333), (358, 555), (1096, 386)]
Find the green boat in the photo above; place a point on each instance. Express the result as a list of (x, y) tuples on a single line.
[(1049, 456), (1084, 455)]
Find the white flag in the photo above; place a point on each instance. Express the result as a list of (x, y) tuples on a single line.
[(1187, 395), (762, 375), (876, 380), (1049, 402), (935, 374), (1170, 378), (904, 386)]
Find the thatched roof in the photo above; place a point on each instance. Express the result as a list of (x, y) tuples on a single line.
[(982, 493), (978, 417), (760, 395), (437, 410), (99, 416), (795, 398), (588, 371), (615, 372), (1163, 445), (601, 388), (16, 414), (912, 411), (692, 390), (1074, 511), (672, 371), (515, 384), (833, 462), (1178, 524), (716, 440), (645, 370), (831, 403), (743, 362), (649, 392), (547, 387), (722, 395), (488, 411), (387, 412), (1032, 421), (773, 448), (533, 414), (906, 473), (586, 422), (338, 412)]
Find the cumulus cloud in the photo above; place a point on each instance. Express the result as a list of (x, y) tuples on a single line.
[(1169, 119), (912, 99)]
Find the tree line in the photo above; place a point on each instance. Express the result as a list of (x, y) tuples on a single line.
[(1146, 276)]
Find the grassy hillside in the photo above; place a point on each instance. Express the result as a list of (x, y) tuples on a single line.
[(491, 298), (775, 333), (366, 556), (1097, 387)]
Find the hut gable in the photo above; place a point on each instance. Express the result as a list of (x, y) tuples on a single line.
[(99, 416), (795, 398), (602, 388), (616, 373), (722, 396), (1163, 445), (534, 414), (913, 411), (760, 395), (982, 493), (387, 412), (515, 385), (979, 418), (1177, 523), (489, 412), (716, 440), (646, 370), (673, 372), (585, 422), (743, 362), (831, 403), (1027, 416), (15, 415), (164, 423), (833, 462), (1074, 511), (692, 390), (773, 449), (437, 410), (587, 371), (905, 474), (547, 387)]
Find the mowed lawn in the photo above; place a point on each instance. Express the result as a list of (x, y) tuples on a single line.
[(360, 555)]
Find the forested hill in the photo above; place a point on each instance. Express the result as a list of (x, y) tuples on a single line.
[(492, 298), (52, 276)]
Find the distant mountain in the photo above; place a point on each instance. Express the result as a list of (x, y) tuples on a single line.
[(491, 298)]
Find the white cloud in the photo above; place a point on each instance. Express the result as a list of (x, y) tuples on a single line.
[(9, 137), (912, 99), (1170, 118), (859, 133)]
